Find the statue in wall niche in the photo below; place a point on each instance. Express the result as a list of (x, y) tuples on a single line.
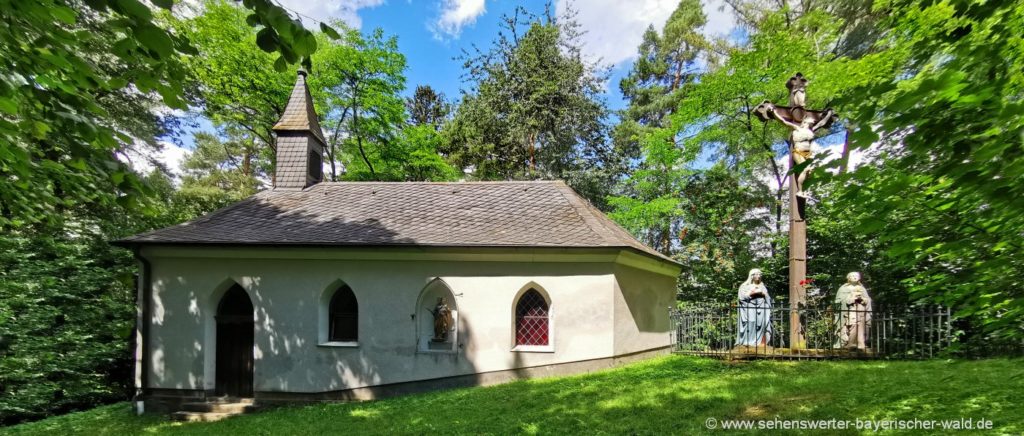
[(854, 313), (442, 321), (754, 320)]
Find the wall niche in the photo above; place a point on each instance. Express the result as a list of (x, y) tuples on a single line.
[(437, 319)]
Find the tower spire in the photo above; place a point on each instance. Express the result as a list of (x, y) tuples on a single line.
[(300, 141)]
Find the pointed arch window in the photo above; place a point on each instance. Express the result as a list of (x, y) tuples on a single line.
[(343, 316), (532, 320)]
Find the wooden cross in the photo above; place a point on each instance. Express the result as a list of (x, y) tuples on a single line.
[(803, 122)]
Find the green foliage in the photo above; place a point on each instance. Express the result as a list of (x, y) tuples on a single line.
[(427, 106), (838, 247), (364, 108), (418, 149), (649, 200), (945, 192), (231, 164), (282, 34), (59, 142), (195, 198), (232, 79), (85, 86), (932, 214), (66, 314), (710, 187), (355, 81), (534, 111), (63, 62), (655, 86), (673, 394), (67, 303)]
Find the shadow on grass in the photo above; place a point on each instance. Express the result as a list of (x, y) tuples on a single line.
[(673, 395)]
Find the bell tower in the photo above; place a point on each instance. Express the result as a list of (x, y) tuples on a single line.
[(300, 142)]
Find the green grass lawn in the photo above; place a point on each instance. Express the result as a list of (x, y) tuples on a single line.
[(669, 395)]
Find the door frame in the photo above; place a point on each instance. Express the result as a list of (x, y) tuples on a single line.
[(234, 378)]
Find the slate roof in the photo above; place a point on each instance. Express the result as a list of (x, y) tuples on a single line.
[(299, 114), (460, 214)]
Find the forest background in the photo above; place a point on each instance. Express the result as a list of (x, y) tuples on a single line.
[(920, 187)]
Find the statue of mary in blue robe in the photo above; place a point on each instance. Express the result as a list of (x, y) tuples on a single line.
[(755, 324)]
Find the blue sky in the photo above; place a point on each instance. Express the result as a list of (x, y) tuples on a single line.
[(431, 33), (431, 53)]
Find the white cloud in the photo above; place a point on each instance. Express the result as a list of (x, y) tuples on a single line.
[(614, 28), (170, 156), (721, 20), (326, 10), (455, 14)]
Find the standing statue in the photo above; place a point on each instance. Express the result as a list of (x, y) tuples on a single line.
[(442, 321), (854, 317), (755, 324)]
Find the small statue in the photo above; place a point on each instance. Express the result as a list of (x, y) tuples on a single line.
[(442, 321), (755, 323), (854, 317)]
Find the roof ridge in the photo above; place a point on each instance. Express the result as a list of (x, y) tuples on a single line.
[(577, 205), (616, 234)]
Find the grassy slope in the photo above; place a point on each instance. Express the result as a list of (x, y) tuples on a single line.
[(666, 395)]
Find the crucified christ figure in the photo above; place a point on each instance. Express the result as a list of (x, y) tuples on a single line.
[(801, 141)]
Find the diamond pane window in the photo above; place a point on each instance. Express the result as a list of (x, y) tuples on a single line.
[(532, 319), (344, 316)]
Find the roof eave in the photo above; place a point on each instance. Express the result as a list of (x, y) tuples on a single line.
[(133, 243)]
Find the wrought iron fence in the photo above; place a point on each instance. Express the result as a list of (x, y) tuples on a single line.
[(828, 332)]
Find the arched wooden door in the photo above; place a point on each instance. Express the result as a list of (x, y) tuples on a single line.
[(234, 344)]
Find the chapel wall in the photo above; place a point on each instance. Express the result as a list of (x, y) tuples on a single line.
[(286, 294), (642, 302)]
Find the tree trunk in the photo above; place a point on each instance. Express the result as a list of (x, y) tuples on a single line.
[(332, 151), (247, 161), (359, 141), (779, 179), (845, 159)]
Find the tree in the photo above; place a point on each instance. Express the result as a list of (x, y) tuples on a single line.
[(365, 110), (708, 128), (427, 106), (421, 160), (667, 62), (355, 81), (654, 89), (237, 85), (226, 164), (85, 84), (233, 81), (945, 189), (67, 301), (63, 144), (534, 110)]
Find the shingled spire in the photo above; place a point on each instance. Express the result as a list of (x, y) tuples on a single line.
[(300, 142)]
